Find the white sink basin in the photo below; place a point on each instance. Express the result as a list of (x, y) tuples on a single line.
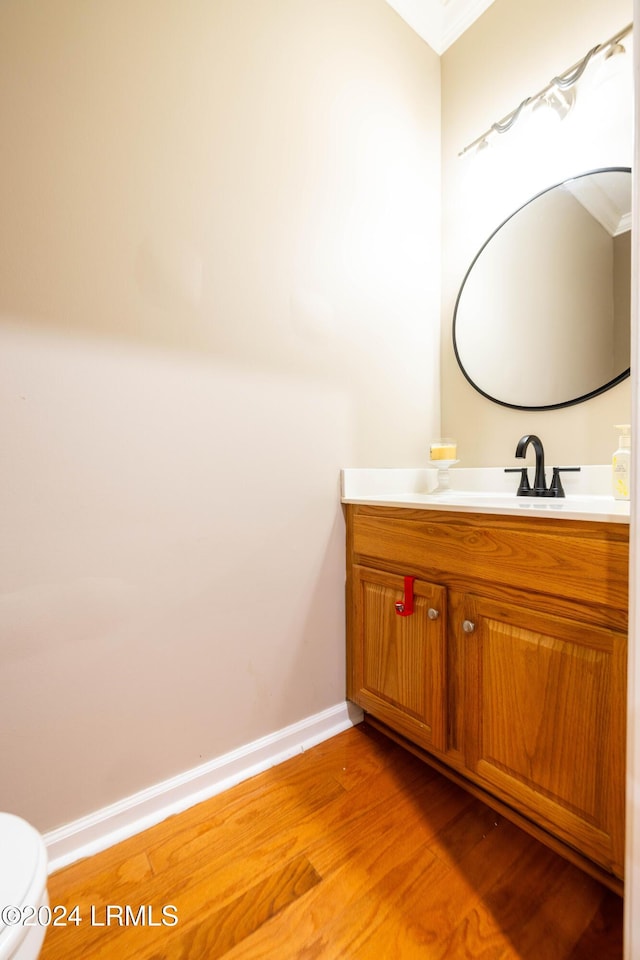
[(409, 488)]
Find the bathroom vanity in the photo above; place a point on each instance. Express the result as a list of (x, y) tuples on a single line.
[(490, 638)]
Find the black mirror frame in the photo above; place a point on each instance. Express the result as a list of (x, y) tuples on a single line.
[(516, 406)]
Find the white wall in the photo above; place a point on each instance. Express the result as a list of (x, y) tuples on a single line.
[(219, 283), (510, 53)]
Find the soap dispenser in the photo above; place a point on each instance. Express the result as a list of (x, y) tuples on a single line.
[(621, 473)]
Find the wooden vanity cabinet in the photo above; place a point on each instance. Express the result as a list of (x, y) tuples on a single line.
[(510, 675)]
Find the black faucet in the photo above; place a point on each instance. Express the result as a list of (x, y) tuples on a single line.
[(540, 488), (540, 481)]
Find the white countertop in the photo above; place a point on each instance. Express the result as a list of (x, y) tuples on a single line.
[(485, 490)]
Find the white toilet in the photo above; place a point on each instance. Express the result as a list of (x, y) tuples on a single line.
[(23, 885)]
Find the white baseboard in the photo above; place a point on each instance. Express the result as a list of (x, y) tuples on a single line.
[(131, 815)]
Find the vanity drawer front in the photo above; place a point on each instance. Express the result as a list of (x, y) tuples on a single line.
[(576, 560)]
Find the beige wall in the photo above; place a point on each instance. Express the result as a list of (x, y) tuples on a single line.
[(510, 53), (219, 283), (622, 294)]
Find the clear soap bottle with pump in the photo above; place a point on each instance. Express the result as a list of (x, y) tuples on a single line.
[(621, 472)]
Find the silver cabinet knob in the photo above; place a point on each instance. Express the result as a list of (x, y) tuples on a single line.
[(433, 614), (468, 626)]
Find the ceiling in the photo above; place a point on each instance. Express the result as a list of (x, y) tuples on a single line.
[(439, 22)]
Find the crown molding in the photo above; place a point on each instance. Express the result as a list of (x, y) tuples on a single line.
[(604, 206), (440, 22)]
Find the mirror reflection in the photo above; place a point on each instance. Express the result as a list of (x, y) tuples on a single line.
[(542, 319)]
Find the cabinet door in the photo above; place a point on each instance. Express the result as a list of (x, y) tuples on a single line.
[(545, 701), (398, 661)]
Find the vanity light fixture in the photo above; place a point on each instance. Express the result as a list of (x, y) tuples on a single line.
[(560, 102), (613, 61), (559, 95), (614, 50), (556, 103)]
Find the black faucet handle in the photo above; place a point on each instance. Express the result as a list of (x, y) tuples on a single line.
[(524, 490), (556, 489)]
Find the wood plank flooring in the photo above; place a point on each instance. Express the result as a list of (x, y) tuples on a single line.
[(354, 849)]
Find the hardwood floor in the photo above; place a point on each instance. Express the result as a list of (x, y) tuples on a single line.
[(354, 849)]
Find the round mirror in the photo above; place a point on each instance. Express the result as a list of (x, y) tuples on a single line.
[(542, 319)]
